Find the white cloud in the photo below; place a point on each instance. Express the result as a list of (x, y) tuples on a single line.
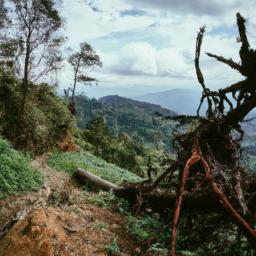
[(141, 58), (138, 58), (156, 48), (83, 23)]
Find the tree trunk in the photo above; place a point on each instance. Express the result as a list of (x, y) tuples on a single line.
[(25, 82)]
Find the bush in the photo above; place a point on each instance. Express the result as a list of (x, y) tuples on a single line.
[(44, 123), (16, 174), (149, 227)]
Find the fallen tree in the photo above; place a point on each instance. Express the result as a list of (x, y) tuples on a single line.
[(157, 200), (207, 173)]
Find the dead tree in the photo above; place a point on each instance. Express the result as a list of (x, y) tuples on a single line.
[(210, 151), (212, 146)]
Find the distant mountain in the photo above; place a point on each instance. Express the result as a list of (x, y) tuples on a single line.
[(181, 101), (116, 101), (129, 116), (186, 101), (137, 117)]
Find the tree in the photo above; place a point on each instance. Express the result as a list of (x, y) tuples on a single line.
[(33, 31), (82, 62), (98, 134), (3, 11)]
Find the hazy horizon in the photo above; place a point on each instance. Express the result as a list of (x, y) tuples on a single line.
[(128, 92)]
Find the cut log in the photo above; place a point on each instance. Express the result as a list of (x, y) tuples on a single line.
[(85, 176)]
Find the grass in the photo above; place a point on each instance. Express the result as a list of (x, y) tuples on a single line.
[(70, 161), (16, 173)]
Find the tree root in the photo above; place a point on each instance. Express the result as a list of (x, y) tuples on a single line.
[(196, 157)]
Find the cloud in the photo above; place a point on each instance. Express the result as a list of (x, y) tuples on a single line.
[(152, 42), (133, 12), (138, 58), (209, 7), (141, 58), (99, 19)]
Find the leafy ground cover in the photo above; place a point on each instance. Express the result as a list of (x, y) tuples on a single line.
[(70, 161), (16, 173)]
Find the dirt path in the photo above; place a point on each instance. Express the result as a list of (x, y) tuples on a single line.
[(58, 220)]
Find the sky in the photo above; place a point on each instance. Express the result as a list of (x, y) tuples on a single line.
[(148, 45)]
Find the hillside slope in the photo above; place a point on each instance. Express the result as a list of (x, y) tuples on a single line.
[(123, 115), (62, 218)]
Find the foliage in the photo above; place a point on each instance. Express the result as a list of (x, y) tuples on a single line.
[(33, 26), (46, 118), (16, 174), (68, 162), (32, 116), (82, 62), (97, 134), (137, 119), (123, 151), (113, 248), (33, 37), (152, 228), (109, 200), (150, 232)]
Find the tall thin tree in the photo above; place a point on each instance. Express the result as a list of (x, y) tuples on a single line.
[(82, 62)]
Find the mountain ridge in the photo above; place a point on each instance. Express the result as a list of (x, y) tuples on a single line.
[(172, 99), (116, 100)]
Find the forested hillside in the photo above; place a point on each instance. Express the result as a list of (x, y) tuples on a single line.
[(123, 115)]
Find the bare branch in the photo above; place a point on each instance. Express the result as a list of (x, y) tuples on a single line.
[(199, 74), (229, 62), (242, 31)]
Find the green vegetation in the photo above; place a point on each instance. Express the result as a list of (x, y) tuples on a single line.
[(32, 116), (151, 228), (124, 115), (113, 248), (152, 233), (123, 151), (68, 162), (86, 59), (16, 174), (109, 200), (133, 141), (46, 118)]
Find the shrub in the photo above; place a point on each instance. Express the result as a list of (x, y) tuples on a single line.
[(149, 228), (43, 124), (113, 248)]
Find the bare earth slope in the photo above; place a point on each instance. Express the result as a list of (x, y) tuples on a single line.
[(58, 221)]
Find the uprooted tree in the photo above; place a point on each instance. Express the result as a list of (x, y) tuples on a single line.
[(210, 176)]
